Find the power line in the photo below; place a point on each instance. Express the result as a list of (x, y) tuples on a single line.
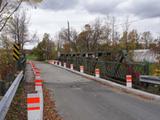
[(134, 21)]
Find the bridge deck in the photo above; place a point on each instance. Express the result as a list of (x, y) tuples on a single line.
[(78, 98)]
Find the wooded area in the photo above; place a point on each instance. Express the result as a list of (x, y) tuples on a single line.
[(13, 29), (99, 35)]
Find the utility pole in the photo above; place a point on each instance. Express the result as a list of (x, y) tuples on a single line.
[(68, 31), (69, 34), (113, 26), (126, 30)]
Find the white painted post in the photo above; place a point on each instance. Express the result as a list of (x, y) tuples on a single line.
[(37, 77), (56, 62), (129, 81), (52, 62), (97, 73), (64, 65), (37, 73), (38, 84), (33, 107), (35, 111), (40, 92), (71, 66), (82, 69), (39, 89), (60, 64)]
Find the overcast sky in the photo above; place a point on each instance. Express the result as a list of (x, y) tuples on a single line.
[(52, 15)]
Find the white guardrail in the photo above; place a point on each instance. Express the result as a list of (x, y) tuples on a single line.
[(150, 79), (8, 97)]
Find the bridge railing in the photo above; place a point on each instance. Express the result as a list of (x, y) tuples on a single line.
[(8, 97), (109, 69), (150, 79)]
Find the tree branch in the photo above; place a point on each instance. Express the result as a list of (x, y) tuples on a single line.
[(10, 15), (5, 5), (0, 3)]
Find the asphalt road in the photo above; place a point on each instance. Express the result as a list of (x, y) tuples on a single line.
[(78, 98)]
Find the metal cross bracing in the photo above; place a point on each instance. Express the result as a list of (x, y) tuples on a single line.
[(113, 66)]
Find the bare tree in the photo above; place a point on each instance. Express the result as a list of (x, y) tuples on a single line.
[(109, 30), (125, 31), (99, 32), (95, 34), (18, 29), (7, 45), (147, 38), (68, 37), (113, 30), (7, 9)]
